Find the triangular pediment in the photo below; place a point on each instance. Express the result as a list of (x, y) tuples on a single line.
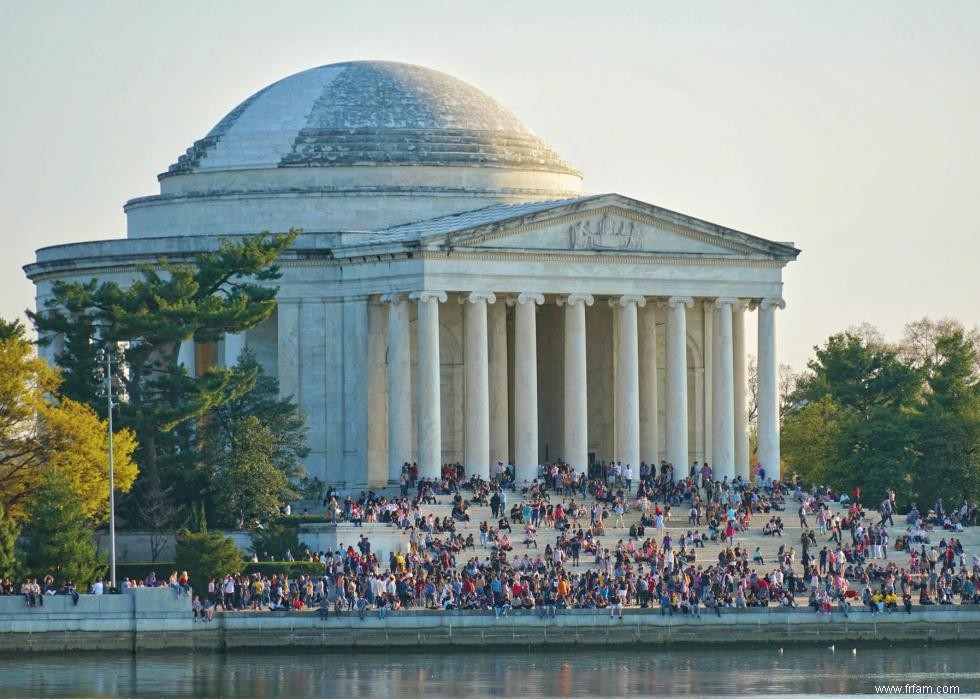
[(606, 230), (610, 224)]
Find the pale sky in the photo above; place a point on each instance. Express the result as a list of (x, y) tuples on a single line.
[(849, 128)]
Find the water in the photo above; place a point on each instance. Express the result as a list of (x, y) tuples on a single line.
[(572, 673)]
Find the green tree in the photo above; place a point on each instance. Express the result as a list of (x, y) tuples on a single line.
[(226, 291), (809, 439), (285, 422), (205, 556), (867, 394), (248, 484), (947, 428), (9, 534), (58, 536)]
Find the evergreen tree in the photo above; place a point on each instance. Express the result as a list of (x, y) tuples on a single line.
[(226, 291), (58, 537)]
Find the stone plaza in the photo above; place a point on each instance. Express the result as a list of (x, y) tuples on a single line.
[(454, 295)]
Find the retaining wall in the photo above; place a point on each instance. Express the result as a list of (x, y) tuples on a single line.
[(158, 619)]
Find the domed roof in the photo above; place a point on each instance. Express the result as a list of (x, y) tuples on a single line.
[(369, 113)]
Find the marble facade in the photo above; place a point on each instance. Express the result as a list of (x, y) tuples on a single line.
[(464, 304)]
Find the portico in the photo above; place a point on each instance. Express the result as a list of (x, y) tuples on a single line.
[(574, 331), (630, 390)]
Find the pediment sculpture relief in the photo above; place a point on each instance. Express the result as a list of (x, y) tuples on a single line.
[(605, 233)]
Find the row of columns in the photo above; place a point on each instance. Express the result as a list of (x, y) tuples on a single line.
[(485, 417)]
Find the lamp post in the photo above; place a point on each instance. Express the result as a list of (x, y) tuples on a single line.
[(107, 357)]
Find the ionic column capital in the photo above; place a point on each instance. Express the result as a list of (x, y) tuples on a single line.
[(675, 301), (393, 298), (767, 303), (624, 301), (727, 301), (487, 297), (526, 297), (575, 299), (423, 296)]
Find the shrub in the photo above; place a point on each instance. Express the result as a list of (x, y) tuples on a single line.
[(205, 556), (276, 540)]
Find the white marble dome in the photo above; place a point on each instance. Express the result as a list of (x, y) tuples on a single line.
[(367, 113), (366, 131)]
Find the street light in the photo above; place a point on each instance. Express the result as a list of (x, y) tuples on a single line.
[(107, 358)]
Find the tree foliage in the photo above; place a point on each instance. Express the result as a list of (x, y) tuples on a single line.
[(275, 540), (248, 484), (40, 430), (205, 556), (882, 416), (227, 291), (9, 534), (58, 535)]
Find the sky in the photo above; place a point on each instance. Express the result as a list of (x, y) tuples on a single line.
[(851, 129)]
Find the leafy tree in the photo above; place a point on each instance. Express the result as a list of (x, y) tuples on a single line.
[(58, 536), (947, 428), (857, 374), (40, 430), (849, 417), (221, 438), (9, 534), (205, 556), (214, 293), (284, 420), (275, 540), (248, 484), (809, 439)]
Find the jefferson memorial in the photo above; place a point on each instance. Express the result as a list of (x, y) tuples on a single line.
[(455, 296)]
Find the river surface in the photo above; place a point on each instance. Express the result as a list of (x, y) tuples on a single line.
[(279, 674)]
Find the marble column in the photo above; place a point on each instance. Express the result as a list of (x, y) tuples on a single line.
[(627, 380), (707, 355), (288, 349), (234, 344), (187, 356), (476, 431), (741, 392), (768, 402), (499, 414), (677, 449), (526, 386), (429, 385), (399, 385), (576, 423), (723, 400), (649, 408)]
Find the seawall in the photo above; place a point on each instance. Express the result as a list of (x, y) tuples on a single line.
[(158, 620)]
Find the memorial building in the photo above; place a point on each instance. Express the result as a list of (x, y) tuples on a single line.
[(455, 296)]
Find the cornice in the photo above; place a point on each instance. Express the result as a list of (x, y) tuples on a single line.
[(592, 258)]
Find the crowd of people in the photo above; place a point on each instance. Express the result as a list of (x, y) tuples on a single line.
[(651, 566), (547, 546)]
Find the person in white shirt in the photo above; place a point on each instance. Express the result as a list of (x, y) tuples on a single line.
[(98, 588)]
